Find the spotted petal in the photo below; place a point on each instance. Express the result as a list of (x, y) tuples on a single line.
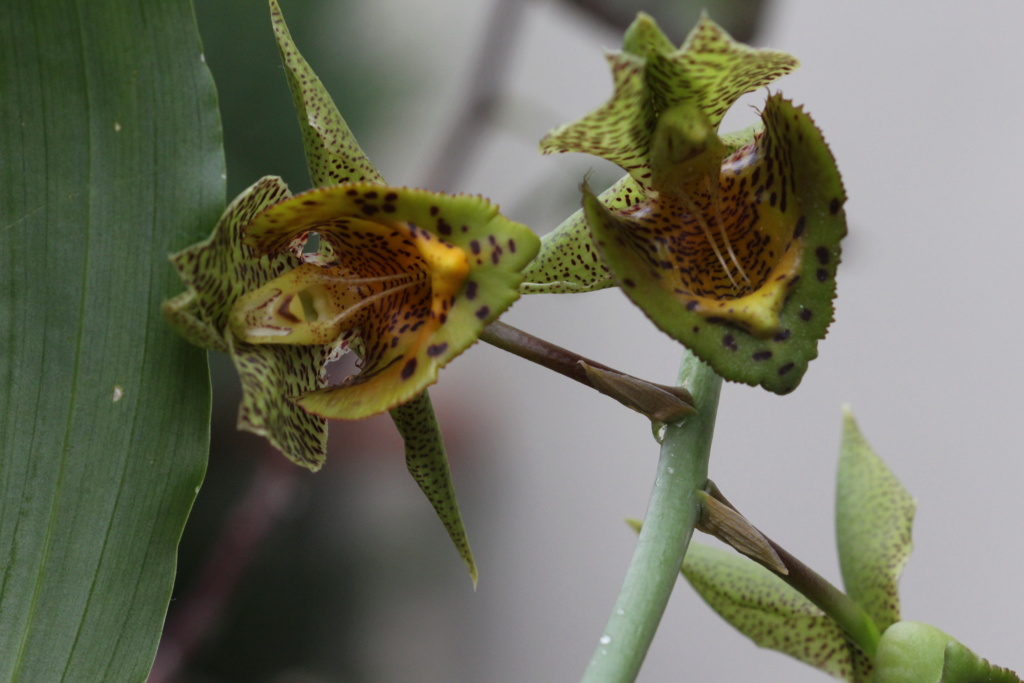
[(568, 261), (217, 271), (450, 265), (710, 71), (332, 152), (746, 280)]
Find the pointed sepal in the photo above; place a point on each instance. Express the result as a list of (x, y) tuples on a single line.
[(427, 461), (332, 152), (568, 262), (217, 272), (874, 516)]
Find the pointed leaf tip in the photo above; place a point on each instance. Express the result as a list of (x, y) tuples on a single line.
[(874, 517)]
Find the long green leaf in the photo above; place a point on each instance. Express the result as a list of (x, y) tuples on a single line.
[(763, 608), (110, 158)]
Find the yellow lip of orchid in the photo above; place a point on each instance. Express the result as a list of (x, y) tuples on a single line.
[(729, 244), (414, 275), (738, 263)]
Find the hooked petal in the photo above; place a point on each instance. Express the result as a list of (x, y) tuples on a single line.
[(710, 71), (471, 258), (743, 275)]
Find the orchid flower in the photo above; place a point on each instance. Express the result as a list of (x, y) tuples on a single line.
[(406, 278), (728, 243)]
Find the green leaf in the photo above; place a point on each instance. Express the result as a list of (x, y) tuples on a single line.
[(762, 607), (428, 464), (874, 515), (110, 158)]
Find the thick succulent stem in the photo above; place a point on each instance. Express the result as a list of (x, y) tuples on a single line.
[(672, 513)]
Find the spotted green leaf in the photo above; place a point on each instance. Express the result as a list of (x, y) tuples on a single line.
[(332, 152), (762, 607), (874, 515), (428, 464), (217, 272), (738, 265)]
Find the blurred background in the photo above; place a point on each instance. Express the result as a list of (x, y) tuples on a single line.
[(346, 575)]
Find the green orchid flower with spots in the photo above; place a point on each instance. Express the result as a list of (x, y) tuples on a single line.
[(728, 243), (408, 279)]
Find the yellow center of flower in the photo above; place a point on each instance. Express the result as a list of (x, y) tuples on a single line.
[(448, 268)]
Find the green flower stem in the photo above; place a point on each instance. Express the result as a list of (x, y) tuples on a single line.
[(552, 357), (847, 614), (672, 514)]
